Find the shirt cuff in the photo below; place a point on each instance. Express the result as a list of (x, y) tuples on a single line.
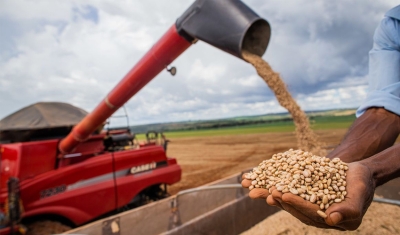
[(382, 99)]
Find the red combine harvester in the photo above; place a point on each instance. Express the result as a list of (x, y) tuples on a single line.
[(108, 172), (76, 175)]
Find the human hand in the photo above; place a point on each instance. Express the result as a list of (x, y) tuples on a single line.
[(254, 193), (346, 215)]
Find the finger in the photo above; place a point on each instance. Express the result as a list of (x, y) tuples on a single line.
[(244, 176), (270, 199), (346, 215), (340, 219), (272, 202), (348, 211), (259, 193), (311, 218), (276, 195), (276, 198), (307, 208), (302, 209), (246, 183), (319, 223)]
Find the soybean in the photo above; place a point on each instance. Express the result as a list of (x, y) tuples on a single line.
[(320, 180)]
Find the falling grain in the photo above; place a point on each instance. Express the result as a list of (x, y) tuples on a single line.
[(306, 138)]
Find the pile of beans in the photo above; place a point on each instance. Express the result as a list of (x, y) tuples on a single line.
[(319, 180)]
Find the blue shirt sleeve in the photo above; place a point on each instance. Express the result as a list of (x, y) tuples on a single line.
[(384, 68)]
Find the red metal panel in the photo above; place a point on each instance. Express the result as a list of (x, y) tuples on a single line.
[(88, 149), (80, 205), (37, 158), (9, 165), (27, 160), (168, 48), (7, 231), (130, 158), (129, 185), (93, 145), (85, 200)]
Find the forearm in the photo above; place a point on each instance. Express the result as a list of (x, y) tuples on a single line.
[(373, 132), (385, 165)]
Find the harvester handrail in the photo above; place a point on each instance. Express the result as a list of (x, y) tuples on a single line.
[(211, 187)]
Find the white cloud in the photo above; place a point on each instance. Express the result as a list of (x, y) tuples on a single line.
[(34, 10), (208, 73), (344, 97), (251, 81), (77, 51)]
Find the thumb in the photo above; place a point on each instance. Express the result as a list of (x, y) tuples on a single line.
[(344, 215), (334, 218), (259, 193)]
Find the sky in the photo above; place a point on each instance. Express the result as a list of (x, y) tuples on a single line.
[(77, 51)]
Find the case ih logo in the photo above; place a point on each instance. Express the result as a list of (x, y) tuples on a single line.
[(52, 191), (145, 167)]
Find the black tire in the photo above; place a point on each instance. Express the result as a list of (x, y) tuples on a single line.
[(151, 194), (46, 227)]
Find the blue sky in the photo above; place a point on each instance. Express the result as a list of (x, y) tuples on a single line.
[(77, 51)]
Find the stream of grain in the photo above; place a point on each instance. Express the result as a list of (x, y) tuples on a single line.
[(307, 140)]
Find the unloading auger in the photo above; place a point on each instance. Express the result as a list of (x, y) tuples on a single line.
[(229, 25)]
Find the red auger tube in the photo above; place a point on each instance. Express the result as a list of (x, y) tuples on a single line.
[(167, 49)]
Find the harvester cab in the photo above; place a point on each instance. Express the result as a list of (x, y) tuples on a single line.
[(67, 177)]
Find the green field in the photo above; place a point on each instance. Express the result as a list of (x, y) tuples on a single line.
[(317, 123)]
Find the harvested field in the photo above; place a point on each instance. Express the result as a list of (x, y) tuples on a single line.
[(380, 219)]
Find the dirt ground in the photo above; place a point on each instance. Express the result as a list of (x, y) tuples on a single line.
[(382, 219), (206, 159)]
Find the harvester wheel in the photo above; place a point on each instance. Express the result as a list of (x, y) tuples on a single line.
[(46, 227), (151, 194)]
